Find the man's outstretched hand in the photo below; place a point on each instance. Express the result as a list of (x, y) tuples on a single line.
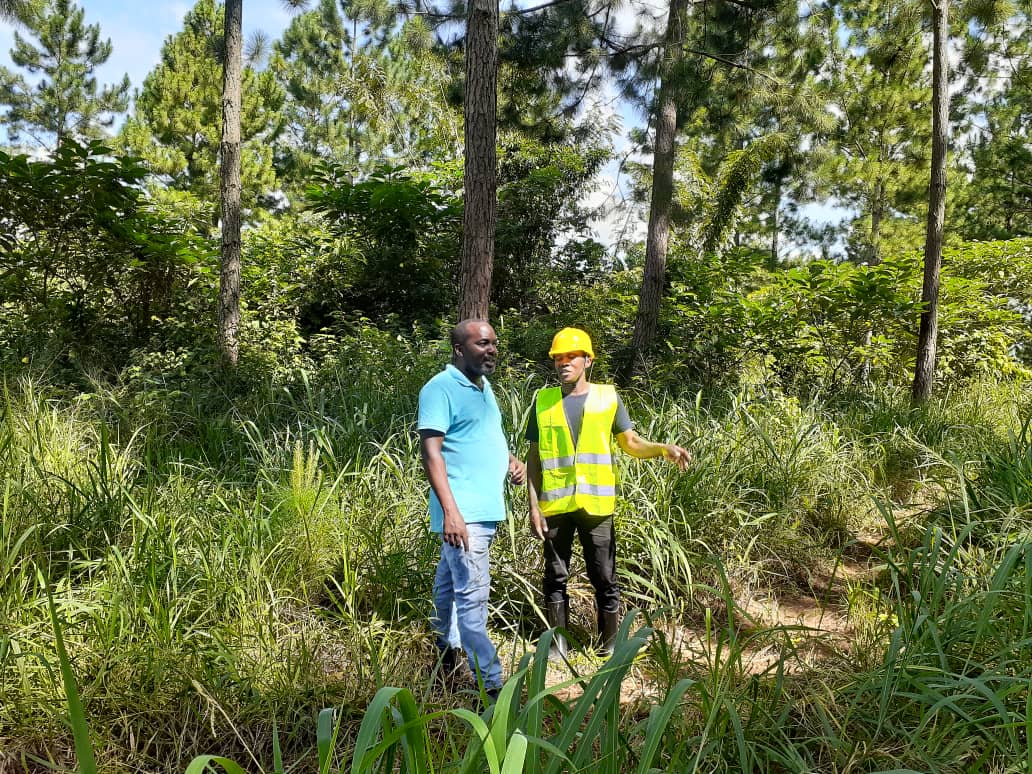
[(681, 457)]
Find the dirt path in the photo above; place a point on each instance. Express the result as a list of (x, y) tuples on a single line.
[(806, 626)]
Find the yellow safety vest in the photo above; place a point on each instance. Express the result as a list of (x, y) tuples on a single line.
[(584, 477)]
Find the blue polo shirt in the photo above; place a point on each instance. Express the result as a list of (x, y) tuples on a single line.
[(475, 449)]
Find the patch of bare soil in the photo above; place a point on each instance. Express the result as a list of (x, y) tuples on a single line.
[(798, 628)]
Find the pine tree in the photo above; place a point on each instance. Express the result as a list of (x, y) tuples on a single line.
[(924, 370), (997, 202), (876, 158), (706, 54), (658, 234), (176, 125), (361, 90), (535, 59), (229, 189), (66, 102), (307, 62), (775, 104), (480, 172), (10, 10), (1015, 105)]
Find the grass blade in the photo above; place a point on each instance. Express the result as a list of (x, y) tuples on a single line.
[(277, 753), (76, 715), (325, 735), (205, 763), (515, 754), (658, 720)]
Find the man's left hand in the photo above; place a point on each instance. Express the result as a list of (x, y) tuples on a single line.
[(517, 471)]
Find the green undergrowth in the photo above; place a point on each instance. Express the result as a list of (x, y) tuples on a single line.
[(226, 564)]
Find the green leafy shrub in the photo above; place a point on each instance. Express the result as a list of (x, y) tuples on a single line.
[(394, 250), (833, 324), (90, 265)]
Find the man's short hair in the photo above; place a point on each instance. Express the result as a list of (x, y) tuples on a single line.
[(460, 331)]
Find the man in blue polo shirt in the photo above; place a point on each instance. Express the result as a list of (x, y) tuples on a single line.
[(466, 457)]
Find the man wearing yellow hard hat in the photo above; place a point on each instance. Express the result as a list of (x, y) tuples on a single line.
[(571, 480)]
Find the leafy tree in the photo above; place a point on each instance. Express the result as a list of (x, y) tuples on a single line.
[(176, 125), (66, 102), (409, 270), (395, 236), (361, 90), (541, 187), (810, 322), (87, 263)]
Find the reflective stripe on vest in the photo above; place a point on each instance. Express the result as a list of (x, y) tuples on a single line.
[(584, 477)]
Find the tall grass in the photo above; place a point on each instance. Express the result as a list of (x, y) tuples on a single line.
[(202, 605), (225, 566), (528, 729)]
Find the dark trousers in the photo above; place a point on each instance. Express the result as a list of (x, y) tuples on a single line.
[(599, 544)]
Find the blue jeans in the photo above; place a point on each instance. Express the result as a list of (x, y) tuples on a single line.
[(461, 590)]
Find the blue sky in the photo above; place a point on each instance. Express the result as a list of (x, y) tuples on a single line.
[(138, 29)]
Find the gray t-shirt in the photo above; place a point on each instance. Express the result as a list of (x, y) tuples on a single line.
[(573, 408)]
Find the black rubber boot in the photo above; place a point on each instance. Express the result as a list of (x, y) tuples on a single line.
[(608, 624), (558, 615)]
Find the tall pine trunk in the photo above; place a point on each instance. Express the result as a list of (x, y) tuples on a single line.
[(479, 175), (229, 278), (924, 370), (658, 235)]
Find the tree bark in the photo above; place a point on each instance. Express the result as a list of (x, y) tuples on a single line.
[(924, 370), (479, 174), (229, 278), (772, 261), (658, 235), (877, 209)]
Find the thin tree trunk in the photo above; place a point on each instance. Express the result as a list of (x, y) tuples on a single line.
[(229, 279), (924, 370), (775, 228), (658, 234), (479, 175), (877, 209), (874, 257)]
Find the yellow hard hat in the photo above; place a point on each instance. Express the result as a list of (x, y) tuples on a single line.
[(571, 340)]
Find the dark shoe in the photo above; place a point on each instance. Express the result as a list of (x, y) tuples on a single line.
[(558, 615), (608, 625)]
